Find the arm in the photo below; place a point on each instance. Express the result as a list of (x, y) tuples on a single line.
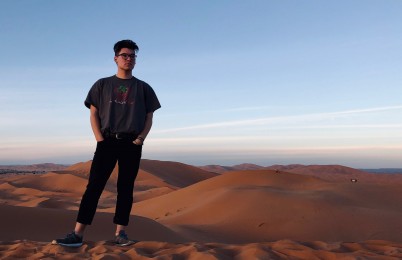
[(147, 128), (95, 123)]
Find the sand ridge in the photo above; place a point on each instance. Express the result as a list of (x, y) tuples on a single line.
[(283, 249)]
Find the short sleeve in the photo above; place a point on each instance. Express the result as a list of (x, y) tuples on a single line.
[(93, 95), (151, 100)]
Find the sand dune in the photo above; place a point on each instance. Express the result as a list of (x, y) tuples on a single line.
[(283, 249), (334, 173), (251, 206), (64, 188), (43, 224), (50, 182), (334, 170), (154, 174), (182, 212), (341, 173), (50, 190), (174, 173), (22, 229)]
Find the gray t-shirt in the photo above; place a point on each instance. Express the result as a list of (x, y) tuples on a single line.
[(122, 103)]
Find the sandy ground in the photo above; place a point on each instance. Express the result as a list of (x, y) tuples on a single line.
[(182, 212)]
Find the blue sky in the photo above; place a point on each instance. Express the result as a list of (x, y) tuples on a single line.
[(265, 82)]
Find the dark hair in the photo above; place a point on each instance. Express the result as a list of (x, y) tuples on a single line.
[(129, 44)]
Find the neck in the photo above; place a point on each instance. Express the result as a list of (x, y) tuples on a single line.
[(122, 74)]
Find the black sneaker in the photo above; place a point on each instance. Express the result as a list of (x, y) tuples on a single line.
[(122, 239), (71, 240)]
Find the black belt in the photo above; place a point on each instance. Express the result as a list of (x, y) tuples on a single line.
[(120, 136)]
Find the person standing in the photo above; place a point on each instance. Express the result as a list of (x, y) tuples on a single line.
[(121, 113)]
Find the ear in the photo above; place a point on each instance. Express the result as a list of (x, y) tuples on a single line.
[(115, 59)]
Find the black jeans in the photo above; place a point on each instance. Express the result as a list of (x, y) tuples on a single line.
[(108, 152)]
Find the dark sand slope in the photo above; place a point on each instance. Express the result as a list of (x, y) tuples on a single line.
[(42, 224)]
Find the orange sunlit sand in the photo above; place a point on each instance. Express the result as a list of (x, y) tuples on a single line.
[(292, 212)]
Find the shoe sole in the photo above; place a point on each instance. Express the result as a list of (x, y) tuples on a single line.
[(113, 242), (126, 244), (71, 245), (66, 245)]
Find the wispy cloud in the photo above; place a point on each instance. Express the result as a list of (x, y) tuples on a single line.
[(247, 108), (351, 126), (293, 118), (367, 110)]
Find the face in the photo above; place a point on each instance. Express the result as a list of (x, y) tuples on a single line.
[(125, 60)]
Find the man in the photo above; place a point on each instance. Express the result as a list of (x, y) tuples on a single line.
[(121, 111)]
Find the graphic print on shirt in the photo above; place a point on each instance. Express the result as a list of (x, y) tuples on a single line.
[(121, 95)]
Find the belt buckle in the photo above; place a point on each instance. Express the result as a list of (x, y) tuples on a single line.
[(117, 136)]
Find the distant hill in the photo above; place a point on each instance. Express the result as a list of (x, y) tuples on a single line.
[(285, 168), (330, 172), (383, 170), (221, 169), (33, 168), (325, 172), (248, 167)]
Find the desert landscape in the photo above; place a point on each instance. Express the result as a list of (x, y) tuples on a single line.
[(210, 212)]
